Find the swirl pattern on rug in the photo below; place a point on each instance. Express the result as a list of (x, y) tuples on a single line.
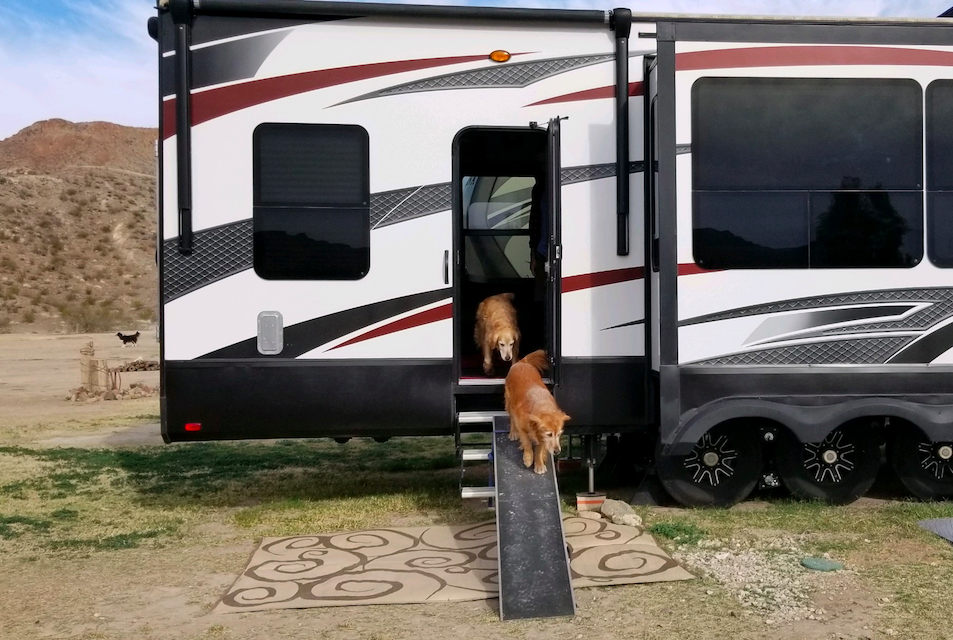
[(428, 564)]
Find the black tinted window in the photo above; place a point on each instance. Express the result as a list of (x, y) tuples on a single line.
[(870, 228), (799, 173), (940, 171), (312, 197), (750, 230)]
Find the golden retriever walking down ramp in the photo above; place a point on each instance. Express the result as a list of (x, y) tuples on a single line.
[(535, 418), (496, 330)]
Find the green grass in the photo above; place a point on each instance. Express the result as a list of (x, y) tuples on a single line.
[(678, 531), (836, 525), (116, 542), (15, 526), (204, 471), (112, 499)]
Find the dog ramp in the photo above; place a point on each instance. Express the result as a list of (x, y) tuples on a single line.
[(534, 577)]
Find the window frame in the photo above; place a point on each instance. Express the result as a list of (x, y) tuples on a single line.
[(260, 208), (809, 193), (928, 153)]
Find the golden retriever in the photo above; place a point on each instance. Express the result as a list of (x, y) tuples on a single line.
[(535, 418), (496, 329)]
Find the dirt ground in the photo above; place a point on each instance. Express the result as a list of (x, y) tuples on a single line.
[(37, 371), (111, 534)]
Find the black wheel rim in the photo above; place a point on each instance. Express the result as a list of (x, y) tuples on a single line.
[(936, 459), (838, 470), (711, 461), (721, 469), (831, 460)]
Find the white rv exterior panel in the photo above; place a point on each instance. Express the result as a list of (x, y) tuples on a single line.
[(705, 293)]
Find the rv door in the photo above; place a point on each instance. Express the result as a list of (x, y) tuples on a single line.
[(554, 292)]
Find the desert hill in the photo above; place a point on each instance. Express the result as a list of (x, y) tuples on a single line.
[(77, 228)]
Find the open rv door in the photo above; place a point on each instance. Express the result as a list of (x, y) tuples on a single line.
[(554, 292)]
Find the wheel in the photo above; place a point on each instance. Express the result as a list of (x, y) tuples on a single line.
[(925, 468), (721, 470), (838, 470)]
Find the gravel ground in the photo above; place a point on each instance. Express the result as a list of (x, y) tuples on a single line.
[(765, 577)]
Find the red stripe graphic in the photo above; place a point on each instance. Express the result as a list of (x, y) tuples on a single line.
[(635, 89), (601, 278), (213, 103), (691, 269), (569, 284), (796, 56), (444, 312), (790, 56)]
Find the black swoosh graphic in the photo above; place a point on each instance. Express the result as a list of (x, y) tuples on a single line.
[(310, 334), (926, 349), (778, 328), (631, 323), (225, 62)]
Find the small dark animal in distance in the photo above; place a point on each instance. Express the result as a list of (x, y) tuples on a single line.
[(130, 339)]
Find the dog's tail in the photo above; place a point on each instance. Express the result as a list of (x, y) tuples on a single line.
[(537, 359)]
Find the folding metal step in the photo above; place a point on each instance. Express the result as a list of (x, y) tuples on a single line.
[(479, 417), (479, 493), (475, 455)]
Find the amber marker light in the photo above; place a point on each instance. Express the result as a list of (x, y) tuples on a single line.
[(500, 56)]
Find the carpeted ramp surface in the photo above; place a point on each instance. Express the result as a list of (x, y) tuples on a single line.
[(428, 564)]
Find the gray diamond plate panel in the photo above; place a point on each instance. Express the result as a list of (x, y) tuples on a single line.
[(227, 250), (410, 204), (572, 175), (516, 74), (857, 351), (217, 253)]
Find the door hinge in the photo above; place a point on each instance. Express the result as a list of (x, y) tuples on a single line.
[(559, 251)]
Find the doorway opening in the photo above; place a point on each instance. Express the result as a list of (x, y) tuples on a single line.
[(502, 234)]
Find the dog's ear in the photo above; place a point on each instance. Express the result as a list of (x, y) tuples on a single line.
[(566, 417), (509, 296), (536, 420)]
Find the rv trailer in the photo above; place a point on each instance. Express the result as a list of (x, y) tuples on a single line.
[(745, 228)]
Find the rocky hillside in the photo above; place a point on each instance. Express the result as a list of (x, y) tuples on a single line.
[(77, 228)]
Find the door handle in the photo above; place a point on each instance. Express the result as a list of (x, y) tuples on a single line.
[(446, 267)]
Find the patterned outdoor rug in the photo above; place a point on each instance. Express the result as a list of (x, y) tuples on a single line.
[(428, 564)]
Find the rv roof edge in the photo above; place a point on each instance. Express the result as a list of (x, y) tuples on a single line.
[(580, 16), (365, 9)]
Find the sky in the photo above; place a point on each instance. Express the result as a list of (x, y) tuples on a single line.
[(85, 60)]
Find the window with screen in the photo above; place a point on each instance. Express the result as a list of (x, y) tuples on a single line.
[(940, 172), (497, 226), (797, 173), (311, 202)]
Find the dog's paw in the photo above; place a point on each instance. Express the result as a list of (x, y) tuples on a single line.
[(488, 369), (527, 459), (540, 469), (514, 436)]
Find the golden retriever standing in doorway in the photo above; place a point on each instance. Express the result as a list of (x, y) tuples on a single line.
[(496, 329), (535, 418)]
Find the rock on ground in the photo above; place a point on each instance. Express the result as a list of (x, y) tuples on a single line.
[(590, 515), (627, 519), (612, 508)]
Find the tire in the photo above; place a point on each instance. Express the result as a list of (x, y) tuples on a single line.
[(925, 468), (729, 476), (838, 470)]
